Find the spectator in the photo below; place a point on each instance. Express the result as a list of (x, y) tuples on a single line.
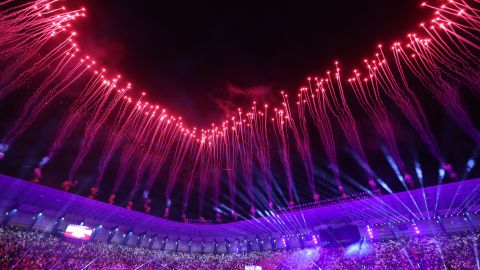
[(22, 249)]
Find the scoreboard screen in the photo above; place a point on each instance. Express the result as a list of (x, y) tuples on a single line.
[(78, 232)]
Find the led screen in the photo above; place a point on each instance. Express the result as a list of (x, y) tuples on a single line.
[(78, 232)]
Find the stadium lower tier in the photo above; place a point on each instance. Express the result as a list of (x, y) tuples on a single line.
[(24, 249)]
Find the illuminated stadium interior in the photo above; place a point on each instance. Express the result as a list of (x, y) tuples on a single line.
[(185, 136)]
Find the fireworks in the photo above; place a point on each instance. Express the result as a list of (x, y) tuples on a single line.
[(38, 38)]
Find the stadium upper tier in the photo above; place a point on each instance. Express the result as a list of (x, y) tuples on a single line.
[(446, 200)]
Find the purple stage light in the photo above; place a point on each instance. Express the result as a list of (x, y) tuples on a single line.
[(415, 228), (315, 240), (370, 233)]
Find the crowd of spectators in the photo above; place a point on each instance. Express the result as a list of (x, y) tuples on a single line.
[(23, 249)]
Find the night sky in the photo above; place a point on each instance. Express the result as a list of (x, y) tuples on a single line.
[(202, 59)]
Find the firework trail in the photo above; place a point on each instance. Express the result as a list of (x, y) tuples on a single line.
[(219, 161), (194, 158), (132, 138), (405, 99), (125, 118), (260, 129), (454, 42), (245, 145), (102, 108), (302, 138), (146, 145), (154, 151), (205, 170), (181, 151), (367, 93), (44, 96), (317, 106), (24, 31), (231, 155), (162, 147), (157, 159), (74, 115), (38, 67), (281, 134), (429, 74), (210, 172), (337, 103)]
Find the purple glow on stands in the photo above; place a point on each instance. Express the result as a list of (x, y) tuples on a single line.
[(443, 58), (458, 251), (39, 198)]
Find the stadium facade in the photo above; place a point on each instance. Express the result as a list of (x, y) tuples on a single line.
[(447, 208)]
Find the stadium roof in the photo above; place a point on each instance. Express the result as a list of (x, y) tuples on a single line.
[(458, 197)]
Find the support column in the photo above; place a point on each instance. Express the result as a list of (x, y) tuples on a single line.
[(190, 246), (140, 238), (9, 215), (57, 224), (164, 243), (249, 246), (260, 245), (152, 241), (273, 243), (392, 230), (440, 223), (302, 243), (176, 244), (95, 232), (127, 237), (111, 234), (35, 220)]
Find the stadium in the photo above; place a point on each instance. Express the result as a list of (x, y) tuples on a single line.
[(369, 164)]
